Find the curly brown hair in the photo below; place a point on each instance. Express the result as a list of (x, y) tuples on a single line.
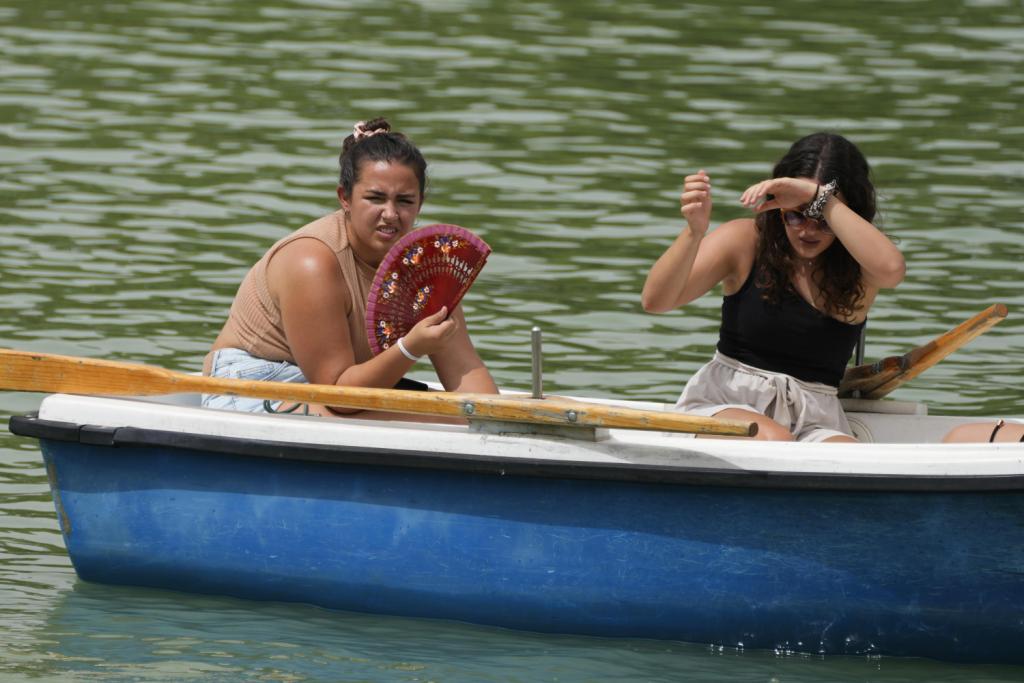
[(823, 157)]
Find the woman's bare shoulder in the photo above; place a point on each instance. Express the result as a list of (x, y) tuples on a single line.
[(739, 229), (304, 255), (305, 265)]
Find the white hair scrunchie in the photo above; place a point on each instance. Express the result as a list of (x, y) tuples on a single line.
[(360, 132)]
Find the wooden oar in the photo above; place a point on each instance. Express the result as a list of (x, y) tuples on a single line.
[(870, 375), (48, 373), (878, 379)]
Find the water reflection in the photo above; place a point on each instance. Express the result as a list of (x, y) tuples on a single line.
[(140, 634)]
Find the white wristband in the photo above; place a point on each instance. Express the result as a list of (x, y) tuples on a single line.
[(405, 351)]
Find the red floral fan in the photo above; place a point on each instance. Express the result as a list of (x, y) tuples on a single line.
[(426, 269)]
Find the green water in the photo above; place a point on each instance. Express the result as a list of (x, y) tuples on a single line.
[(151, 151)]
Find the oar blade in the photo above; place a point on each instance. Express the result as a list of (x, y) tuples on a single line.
[(924, 357), (863, 378), (876, 380)]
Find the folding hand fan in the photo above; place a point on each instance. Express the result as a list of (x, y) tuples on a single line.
[(426, 269)]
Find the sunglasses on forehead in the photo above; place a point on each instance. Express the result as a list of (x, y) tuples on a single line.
[(797, 219)]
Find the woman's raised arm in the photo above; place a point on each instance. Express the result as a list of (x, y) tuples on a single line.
[(696, 261)]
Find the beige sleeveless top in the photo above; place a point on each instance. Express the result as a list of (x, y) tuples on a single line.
[(254, 321)]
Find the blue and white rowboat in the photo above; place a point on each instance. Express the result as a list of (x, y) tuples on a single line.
[(897, 546)]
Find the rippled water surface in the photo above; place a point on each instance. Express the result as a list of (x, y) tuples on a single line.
[(151, 151)]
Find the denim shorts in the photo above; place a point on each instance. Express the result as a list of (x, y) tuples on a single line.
[(237, 364)]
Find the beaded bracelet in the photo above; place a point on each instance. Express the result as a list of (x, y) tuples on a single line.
[(406, 352), (821, 196)]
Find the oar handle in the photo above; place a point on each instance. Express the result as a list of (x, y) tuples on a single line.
[(50, 373)]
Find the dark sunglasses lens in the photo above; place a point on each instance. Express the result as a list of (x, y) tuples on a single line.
[(793, 218)]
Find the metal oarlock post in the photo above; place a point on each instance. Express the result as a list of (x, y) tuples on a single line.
[(538, 391), (858, 354)]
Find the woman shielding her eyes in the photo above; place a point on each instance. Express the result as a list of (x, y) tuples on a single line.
[(799, 279)]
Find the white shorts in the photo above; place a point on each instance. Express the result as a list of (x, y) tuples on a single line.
[(810, 410)]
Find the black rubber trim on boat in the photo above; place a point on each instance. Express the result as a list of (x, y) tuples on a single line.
[(30, 425), (97, 436)]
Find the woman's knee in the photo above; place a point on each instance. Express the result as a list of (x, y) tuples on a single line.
[(770, 430), (967, 432), (975, 432), (767, 428)]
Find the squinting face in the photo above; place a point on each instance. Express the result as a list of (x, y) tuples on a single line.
[(384, 204)]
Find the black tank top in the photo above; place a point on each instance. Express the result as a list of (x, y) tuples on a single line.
[(792, 337)]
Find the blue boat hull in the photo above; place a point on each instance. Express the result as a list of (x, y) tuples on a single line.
[(934, 574)]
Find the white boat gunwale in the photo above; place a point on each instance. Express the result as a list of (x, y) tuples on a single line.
[(648, 457)]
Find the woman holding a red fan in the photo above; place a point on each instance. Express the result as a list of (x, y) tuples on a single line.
[(300, 313)]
